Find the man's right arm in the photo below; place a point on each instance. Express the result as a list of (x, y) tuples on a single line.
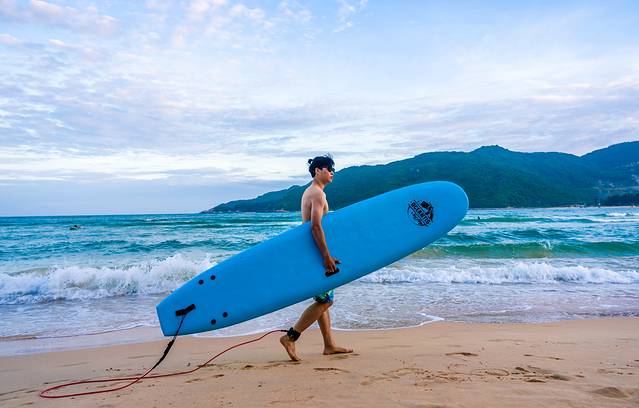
[(317, 212)]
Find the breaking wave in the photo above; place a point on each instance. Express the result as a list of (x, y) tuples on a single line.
[(162, 276), (516, 272), (76, 282)]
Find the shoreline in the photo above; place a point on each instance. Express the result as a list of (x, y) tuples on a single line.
[(589, 362), (25, 345), (33, 345)]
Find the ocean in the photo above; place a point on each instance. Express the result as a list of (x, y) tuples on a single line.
[(497, 265)]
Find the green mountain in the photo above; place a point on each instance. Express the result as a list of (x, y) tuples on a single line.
[(492, 176)]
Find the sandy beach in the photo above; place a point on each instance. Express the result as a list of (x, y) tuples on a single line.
[(584, 363)]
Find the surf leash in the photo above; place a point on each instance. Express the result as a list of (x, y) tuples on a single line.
[(132, 380)]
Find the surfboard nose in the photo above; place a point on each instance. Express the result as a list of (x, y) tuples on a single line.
[(458, 196)]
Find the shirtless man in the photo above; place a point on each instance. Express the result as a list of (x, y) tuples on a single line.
[(314, 206)]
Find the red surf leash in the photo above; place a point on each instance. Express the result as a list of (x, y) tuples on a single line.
[(133, 380), (44, 393)]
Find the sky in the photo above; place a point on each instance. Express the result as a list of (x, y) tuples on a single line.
[(157, 106)]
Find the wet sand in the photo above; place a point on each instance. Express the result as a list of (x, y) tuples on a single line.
[(579, 363)]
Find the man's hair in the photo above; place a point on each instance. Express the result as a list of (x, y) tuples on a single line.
[(320, 162)]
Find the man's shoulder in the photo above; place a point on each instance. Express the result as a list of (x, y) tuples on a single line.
[(312, 189), (314, 193)]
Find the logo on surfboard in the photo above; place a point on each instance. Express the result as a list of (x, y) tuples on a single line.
[(421, 212)]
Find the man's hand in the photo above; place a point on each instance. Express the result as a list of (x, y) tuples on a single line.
[(330, 265)]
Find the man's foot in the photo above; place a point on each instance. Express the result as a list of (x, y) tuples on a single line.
[(289, 346), (336, 350)]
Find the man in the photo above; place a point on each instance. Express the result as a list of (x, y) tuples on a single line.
[(314, 206)]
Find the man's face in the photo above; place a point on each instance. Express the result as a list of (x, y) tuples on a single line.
[(325, 175)]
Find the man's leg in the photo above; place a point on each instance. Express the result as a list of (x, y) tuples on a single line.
[(310, 315), (330, 347)]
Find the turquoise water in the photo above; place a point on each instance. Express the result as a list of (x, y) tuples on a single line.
[(514, 265)]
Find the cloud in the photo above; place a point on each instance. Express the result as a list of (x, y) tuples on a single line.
[(572, 119), (199, 9), (240, 10), (9, 40), (88, 19), (346, 11), (241, 144), (28, 163), (218, 24), (296, 11)]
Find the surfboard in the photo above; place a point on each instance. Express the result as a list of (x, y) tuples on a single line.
[(288, 268)]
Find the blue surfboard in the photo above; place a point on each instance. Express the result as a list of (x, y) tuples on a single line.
[(288, 268)]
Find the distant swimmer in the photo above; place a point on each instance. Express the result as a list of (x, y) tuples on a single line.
[(314, 207), (74, 227)]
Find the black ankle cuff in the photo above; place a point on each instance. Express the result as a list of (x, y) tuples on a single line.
[(293, 334)]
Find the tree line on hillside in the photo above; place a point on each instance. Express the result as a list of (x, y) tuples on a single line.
[(493, 177)]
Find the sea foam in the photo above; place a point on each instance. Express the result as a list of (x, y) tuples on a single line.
[(163, 276), (78, 282), (508, 272)]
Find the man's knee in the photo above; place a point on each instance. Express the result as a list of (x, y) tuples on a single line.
[(324, 305)]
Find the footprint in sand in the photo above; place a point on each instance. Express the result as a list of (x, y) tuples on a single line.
[(400, 372), (496, 372), (611, 392), (463, 353), (539, 370), (454, 367), (446, 377), (616, 370), (343, 356), (273, 364), (560, 377), (534, 374), (549, 357), (419, 373), (330, 369), (368, 380)]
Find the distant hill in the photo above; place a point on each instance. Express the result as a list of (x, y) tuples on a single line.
[(492, 176)]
